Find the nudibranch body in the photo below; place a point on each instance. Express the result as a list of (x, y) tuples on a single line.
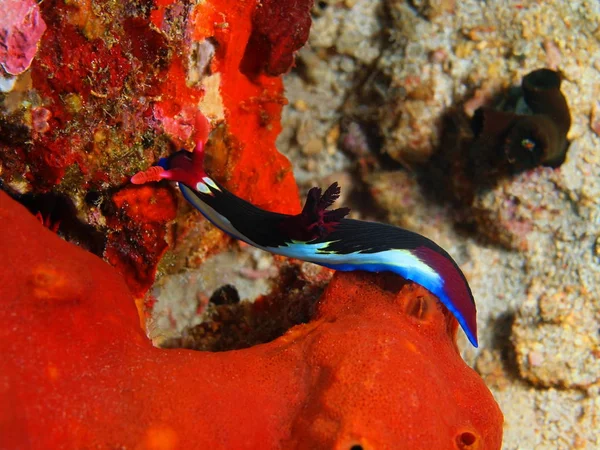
[(322, 236)]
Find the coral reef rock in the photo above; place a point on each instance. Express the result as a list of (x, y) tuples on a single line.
[(530, 245), (93, 92)]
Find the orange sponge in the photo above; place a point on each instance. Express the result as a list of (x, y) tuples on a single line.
[(376, 368)]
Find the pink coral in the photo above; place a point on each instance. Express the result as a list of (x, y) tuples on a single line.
[(21, 28), (180, 126), (40, 117)]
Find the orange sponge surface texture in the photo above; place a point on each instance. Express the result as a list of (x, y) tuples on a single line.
[(376, 368)]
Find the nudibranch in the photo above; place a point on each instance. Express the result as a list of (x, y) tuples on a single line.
[(321, 236)]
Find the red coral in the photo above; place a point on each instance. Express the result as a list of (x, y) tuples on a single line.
[(254, 169), (111, 81), (50, 159), (279, 29), (70, 63), (112, 95), (138, 241), (371, 369), (80, 81)]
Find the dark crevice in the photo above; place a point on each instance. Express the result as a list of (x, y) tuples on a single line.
[(234, 325), (58, 212), (501, 341)]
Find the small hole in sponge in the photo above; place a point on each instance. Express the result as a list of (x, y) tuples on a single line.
[(467, 441), (417, 307), (356, 447), (225, 295)]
